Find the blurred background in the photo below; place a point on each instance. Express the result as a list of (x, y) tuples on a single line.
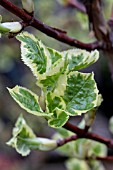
[(13, 72)]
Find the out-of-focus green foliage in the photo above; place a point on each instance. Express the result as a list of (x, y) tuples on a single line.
[(76, 164), (80, 149)]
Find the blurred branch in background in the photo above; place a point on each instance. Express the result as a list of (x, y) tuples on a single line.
[(76, 4)]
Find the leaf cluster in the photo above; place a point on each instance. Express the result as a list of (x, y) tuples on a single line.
[(65, 91)]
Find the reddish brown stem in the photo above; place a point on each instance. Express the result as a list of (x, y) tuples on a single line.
[(107, 158), (52, 32), (82, 134), (63, 141)]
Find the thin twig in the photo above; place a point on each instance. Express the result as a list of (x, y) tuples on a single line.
[(107, 158), (63, 141), (82, 134), (52, 32)]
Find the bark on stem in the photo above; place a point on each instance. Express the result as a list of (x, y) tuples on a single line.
[(82, 134), (52, 32)]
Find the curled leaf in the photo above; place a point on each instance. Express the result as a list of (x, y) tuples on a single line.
[(24, 140), (79, 59)]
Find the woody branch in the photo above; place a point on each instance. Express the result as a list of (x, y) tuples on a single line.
[(55, 33)]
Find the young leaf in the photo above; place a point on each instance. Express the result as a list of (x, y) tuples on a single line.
[(24, 140), (34, 54), (55, 105), (55, 56), (59, 118), (42, 61), (48, 83), (27, 100), (53, 102), (79, 59), (76, 93), (81, 93), (21, 131)]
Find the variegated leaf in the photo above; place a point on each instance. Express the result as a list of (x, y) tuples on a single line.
[(81, 93), (53, 102), (24, 140), (21, 131), (77, 92), (48, 83), (55, 56), (34, 54), (59, 118), (56, 106), (42, 61), (79, 59), (28, 101)]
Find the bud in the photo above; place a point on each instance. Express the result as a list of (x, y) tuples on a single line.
[(89, 117), (42, 144), (28, 5), (12, 27), (47, 144)]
